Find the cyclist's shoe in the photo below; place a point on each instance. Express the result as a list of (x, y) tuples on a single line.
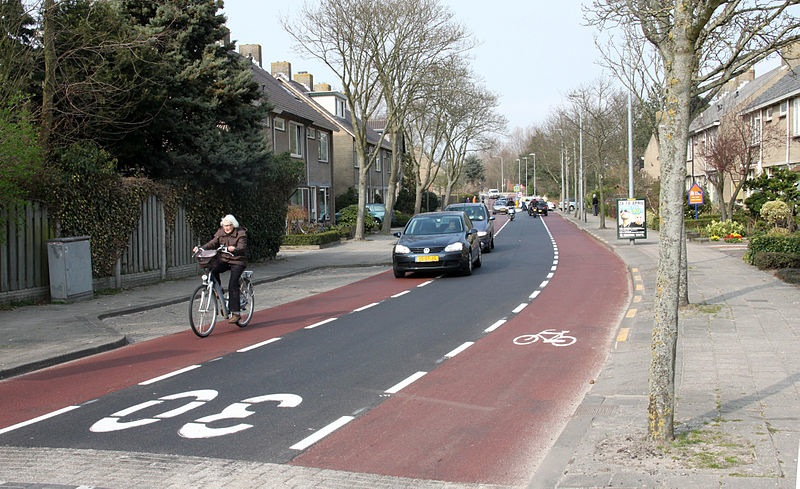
[(235, 317)]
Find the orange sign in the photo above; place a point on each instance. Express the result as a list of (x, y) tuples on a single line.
[(696, 195)]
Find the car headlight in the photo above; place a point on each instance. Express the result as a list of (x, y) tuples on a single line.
[(481, 234), (454, 247), (398, 248)]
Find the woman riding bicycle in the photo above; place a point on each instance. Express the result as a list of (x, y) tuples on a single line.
[(234, 239)]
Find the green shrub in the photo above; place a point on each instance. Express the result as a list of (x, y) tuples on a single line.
[(776, 212), (764, 260), (349, 216), (318, 239), (789, 244)]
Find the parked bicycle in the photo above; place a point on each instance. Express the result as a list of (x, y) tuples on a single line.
[(208, 299)]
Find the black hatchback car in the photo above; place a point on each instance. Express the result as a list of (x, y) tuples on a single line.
[(479, 215), (445, 241)]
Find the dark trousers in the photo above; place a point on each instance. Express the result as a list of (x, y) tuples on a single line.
[(233, 282)]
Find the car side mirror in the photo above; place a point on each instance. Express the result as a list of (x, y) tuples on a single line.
[(472, 231), (397, 234), (491, 218)]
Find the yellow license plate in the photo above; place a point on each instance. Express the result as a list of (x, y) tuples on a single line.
[(428, 258)]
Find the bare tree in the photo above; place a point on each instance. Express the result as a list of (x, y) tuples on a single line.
[(340, 34), (729, 154), (701, 45), (408, 39)]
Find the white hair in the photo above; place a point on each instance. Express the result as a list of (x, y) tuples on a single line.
[(229, 219)]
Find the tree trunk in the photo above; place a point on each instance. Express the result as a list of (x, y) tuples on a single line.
[(673, 136)]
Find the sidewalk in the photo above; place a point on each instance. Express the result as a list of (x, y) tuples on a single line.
[(736, 382), (737, 374)]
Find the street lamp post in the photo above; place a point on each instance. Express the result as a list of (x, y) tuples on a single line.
[(519, 172), (502, 178), (534, 173), (526, 174)]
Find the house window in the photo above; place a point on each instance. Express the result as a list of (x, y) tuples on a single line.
[(784, 107), (755, 129), (768, 114), (280, 124), (296, 140), (311, 133), (796, 117), (323, 146), (379, 161), (340, 108)]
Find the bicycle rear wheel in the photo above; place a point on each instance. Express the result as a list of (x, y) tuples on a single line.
[(203, 311), (246, 303)]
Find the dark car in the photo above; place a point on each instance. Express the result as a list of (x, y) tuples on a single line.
[(478, 214), (445, 241), (541, 207)]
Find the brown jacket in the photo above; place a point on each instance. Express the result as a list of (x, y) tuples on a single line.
[(237, 238)]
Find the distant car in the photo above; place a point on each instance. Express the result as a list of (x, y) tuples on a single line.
[(567, 204), (501, 206), (478, 214), (377, 211), (551, 206), (431, 241), (493, 193), (541, 207)]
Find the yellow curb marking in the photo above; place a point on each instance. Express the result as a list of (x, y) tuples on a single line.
[(639, 287), (623, 334), (637, 298), (631, 313)]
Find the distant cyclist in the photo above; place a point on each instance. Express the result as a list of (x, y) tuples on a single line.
[(234, 239)]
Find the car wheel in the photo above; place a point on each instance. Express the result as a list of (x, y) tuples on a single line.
[(468, 266), (491, 243), (479, 261), (399, 273)]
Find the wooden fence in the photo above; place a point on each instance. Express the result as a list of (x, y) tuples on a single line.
[(156, 250)]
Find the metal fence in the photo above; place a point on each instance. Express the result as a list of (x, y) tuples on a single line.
[(156, 250)]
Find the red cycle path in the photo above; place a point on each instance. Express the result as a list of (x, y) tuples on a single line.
[(29, 396), (490, 414)]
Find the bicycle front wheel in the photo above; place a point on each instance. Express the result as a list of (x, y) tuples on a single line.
[(203, 311), (247, 303)]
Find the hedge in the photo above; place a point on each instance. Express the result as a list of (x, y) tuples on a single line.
[(318, 239), (762, 243)]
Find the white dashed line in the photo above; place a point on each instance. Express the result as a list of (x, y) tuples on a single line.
[(400, 386), (520, 307), (363, 308), (320, 323), (322, 433), (171, 374), (494, 326), (257, 345), (459, 349), (37, 419)]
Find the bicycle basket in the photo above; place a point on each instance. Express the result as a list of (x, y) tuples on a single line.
[(207, 258)]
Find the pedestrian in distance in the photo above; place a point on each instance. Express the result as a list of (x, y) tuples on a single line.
[(233, 238), (595, 204)]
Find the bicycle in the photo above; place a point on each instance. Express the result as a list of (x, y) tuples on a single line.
[(208, 299), (555, 338)]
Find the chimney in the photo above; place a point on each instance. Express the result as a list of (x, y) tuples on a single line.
[(322, 87), (252, 51), (305, 78), (791, 55), (282, 67)]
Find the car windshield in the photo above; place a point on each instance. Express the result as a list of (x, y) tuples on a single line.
[(474, 212), (434, 225)]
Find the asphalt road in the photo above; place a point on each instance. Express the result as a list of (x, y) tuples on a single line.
[(418, 377)]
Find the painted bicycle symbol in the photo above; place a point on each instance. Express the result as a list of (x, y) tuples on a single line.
[(555, 338)]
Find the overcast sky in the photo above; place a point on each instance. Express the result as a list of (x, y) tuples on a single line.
[(530, 53)]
